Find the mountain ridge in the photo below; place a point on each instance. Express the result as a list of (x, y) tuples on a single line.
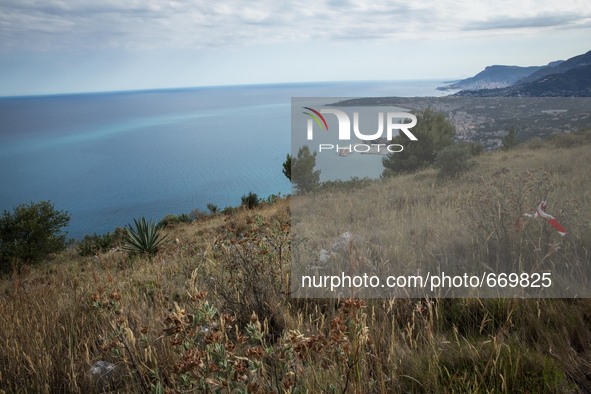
[(569, 78), (572, 83), (495, 76), (569, 64)]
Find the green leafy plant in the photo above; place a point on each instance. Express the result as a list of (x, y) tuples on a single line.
[(95, 243), (30, 233), (213, 209), (287, 167), (476, 148), (172, 219), (453, 161), (250, 200), (302, 173), (511, 139), (567, 141), (433, 131), (145, 238)]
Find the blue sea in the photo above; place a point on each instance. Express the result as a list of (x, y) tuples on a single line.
[(108, 158)]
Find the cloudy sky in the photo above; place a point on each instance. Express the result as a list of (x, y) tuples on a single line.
[(57, 46)]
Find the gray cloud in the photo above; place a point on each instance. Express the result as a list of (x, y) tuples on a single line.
[(144, 24), (528, 22)]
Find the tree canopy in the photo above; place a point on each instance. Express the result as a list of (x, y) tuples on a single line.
[(30, 233), (301, 170), (433, 131)]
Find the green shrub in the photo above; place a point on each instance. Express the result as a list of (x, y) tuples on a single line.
[(302, 172), (198, 214), (168, 220), (93, 244), (585, 135), (476, 148), (510, 140), (251, 257), (250, 201), (30, 233), (535, 143), (433, 131), (342, 186), (273, 198), (566, 141), (145, 238), (453, 160), (212, 208), (171, 219), (287, 167)]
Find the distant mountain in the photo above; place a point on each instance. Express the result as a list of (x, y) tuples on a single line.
[(493, 77), (573, 62), (558, 79), (574, 82)]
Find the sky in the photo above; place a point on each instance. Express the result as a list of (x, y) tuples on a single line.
[(65, 46)]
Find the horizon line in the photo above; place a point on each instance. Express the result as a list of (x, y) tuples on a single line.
[(181, 88)]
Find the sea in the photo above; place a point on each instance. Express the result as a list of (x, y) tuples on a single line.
[(107, 158)]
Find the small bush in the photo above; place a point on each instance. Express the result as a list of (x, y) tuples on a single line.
[(273, 198), (198, 214), (433, 131), (250, 200), (585, 135), (30, 233), (145, 238), (566, 141), (249, 275), (228, 210), (511, 139), (301, 172), (174, 219), (341, 186), (287, 167), (453, 161), (476, 148), (535, 143), (212, 208), (93, 244)]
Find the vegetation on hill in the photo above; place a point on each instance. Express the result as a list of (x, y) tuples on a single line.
[(570, 78), (31, 233), (433, 132), (300, 170), (562, 67), (497, 76), (211, 311)]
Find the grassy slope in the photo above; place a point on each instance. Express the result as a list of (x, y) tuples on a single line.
[(418, 221), (184, 319)]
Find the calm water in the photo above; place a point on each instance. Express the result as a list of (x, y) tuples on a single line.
[(108, 158)]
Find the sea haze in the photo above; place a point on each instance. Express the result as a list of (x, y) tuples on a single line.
[(107, 158)]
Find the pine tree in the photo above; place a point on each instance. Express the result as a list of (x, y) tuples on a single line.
[(302, 172), (433, 131)]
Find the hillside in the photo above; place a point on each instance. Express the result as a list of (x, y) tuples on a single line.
[(570, 78), (563, 67), (493, 77), (572, 83), (211, 312)]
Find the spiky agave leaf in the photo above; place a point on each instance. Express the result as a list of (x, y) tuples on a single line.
[(144, 238)]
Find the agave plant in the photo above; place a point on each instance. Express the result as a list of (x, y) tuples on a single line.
[(144, 238)]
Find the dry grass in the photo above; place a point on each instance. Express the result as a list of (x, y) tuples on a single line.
[(183, 321), (418, 223)]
